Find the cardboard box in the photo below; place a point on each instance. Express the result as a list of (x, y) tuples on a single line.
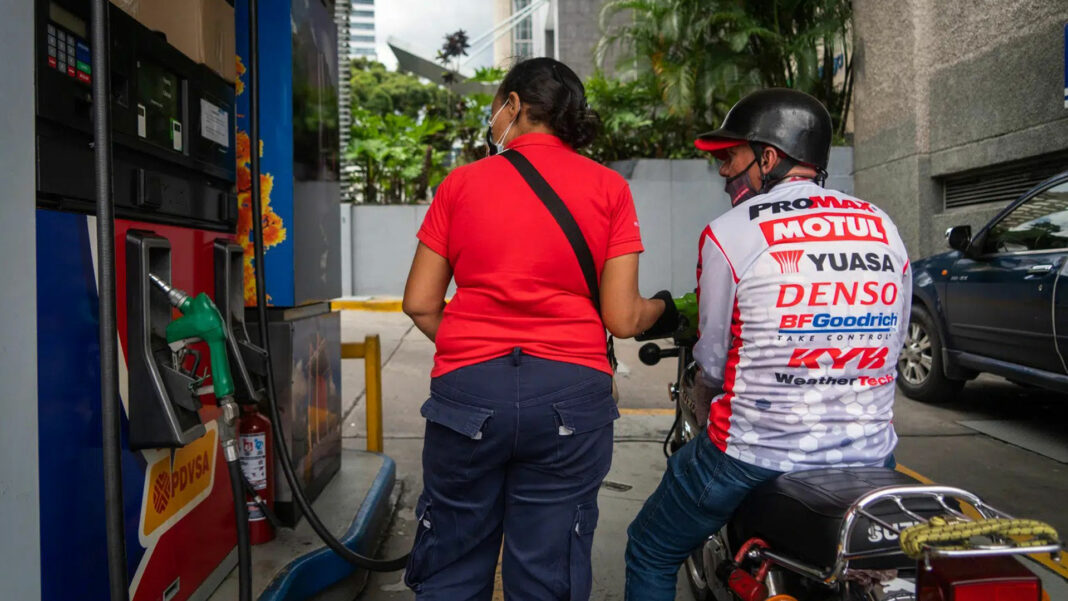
[(202, 29), (131, 7)]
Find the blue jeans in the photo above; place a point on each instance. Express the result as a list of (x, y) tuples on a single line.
[(697, 495), (515, 447)]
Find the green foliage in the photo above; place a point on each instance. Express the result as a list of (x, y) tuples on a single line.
[(381, 91), (635, 122), (689, 61), (406, 133), (395, 160)]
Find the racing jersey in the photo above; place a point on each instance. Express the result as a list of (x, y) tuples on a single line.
[(804, 295)]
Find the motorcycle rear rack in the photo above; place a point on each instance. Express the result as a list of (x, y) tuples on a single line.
[(897, 495)]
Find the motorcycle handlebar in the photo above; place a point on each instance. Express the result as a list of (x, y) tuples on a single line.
[(651, 354)]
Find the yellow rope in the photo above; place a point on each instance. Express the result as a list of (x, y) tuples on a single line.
[(938, 532)]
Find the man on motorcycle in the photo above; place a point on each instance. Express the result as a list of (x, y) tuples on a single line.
[(804, 294)]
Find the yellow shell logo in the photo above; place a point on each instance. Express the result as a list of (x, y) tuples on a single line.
[(176, 485)]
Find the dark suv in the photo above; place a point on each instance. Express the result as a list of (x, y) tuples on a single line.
[(996, 303)]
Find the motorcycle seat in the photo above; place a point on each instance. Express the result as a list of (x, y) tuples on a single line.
[(800, 514)]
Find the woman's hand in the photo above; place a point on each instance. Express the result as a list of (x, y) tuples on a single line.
[(625, 313), (424, 294)]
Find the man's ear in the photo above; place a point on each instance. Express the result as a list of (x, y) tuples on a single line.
[(768, 159)]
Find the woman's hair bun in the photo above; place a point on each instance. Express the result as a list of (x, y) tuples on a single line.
[(554, 95)]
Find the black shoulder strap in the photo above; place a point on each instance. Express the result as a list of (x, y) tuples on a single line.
[(563, 217)]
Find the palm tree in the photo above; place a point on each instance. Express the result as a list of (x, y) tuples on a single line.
[(703, 55)]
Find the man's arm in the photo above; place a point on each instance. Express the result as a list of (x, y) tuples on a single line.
[(716, 287)]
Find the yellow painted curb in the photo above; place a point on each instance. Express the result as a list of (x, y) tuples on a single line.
[(385, 305), (647, 412), (913, 474)]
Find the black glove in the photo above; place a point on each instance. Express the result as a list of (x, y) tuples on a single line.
[(668, 321)]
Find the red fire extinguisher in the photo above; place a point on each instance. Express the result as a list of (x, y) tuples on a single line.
[(257, 464)]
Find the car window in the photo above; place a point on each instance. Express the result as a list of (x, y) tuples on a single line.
[(1041, 223)]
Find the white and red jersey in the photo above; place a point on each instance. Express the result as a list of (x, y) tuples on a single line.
[(804, 298)]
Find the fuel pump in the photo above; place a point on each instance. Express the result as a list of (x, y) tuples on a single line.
[(202, 321)]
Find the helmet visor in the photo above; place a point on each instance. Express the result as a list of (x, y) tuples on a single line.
[(717, 146)]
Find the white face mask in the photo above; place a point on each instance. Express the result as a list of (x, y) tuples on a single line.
[(498, 146)]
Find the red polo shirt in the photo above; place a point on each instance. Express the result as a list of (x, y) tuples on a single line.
[(518, 283)]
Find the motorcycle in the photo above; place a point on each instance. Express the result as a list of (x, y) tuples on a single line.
[(849, 534)]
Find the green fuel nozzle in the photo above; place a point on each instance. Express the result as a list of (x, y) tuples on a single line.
[(686, 305), (201, 320)]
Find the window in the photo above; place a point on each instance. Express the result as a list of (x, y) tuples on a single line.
[(362, 38), (371, 2), (1041, 223), (363, 13), (523, 34), (370, 26), (1002, 183), (363, 51)]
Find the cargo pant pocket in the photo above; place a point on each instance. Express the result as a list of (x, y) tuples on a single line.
[(579, 567), (420, 562), (453, 435), (461, 418), (584, 436)]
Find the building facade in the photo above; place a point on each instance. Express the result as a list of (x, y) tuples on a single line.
[(959, 107), (361, 31), (563, 29)]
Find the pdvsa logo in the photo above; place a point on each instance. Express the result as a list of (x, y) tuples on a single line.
[(852, 262), (840, 358), (182, 477), (178, 482), (825, 227), (817, 202)]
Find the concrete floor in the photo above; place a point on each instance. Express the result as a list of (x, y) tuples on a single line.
[(933, 444)]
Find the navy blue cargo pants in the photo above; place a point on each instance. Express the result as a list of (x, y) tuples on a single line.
[(515, 447)]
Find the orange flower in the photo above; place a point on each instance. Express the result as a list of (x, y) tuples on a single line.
[(244, 215), (274, 231), (250, 281), (266, 186), (240, 85), (243, 146), (244, 178)]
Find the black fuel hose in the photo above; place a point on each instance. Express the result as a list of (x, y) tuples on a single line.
[(244, 542), (367, 563), (118, 578)]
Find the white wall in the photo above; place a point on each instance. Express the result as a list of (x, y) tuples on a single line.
[(20, 549), (345, 217), (383, 245), (675, 199)]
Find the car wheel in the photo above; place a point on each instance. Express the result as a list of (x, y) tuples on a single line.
[(919, 366)]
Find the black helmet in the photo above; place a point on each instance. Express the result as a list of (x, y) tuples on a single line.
[(792, 121)]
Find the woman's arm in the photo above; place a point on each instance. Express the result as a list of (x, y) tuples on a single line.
[(424, 294), (624, 311)]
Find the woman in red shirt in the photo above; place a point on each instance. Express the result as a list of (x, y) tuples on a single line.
[(519, 419)]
